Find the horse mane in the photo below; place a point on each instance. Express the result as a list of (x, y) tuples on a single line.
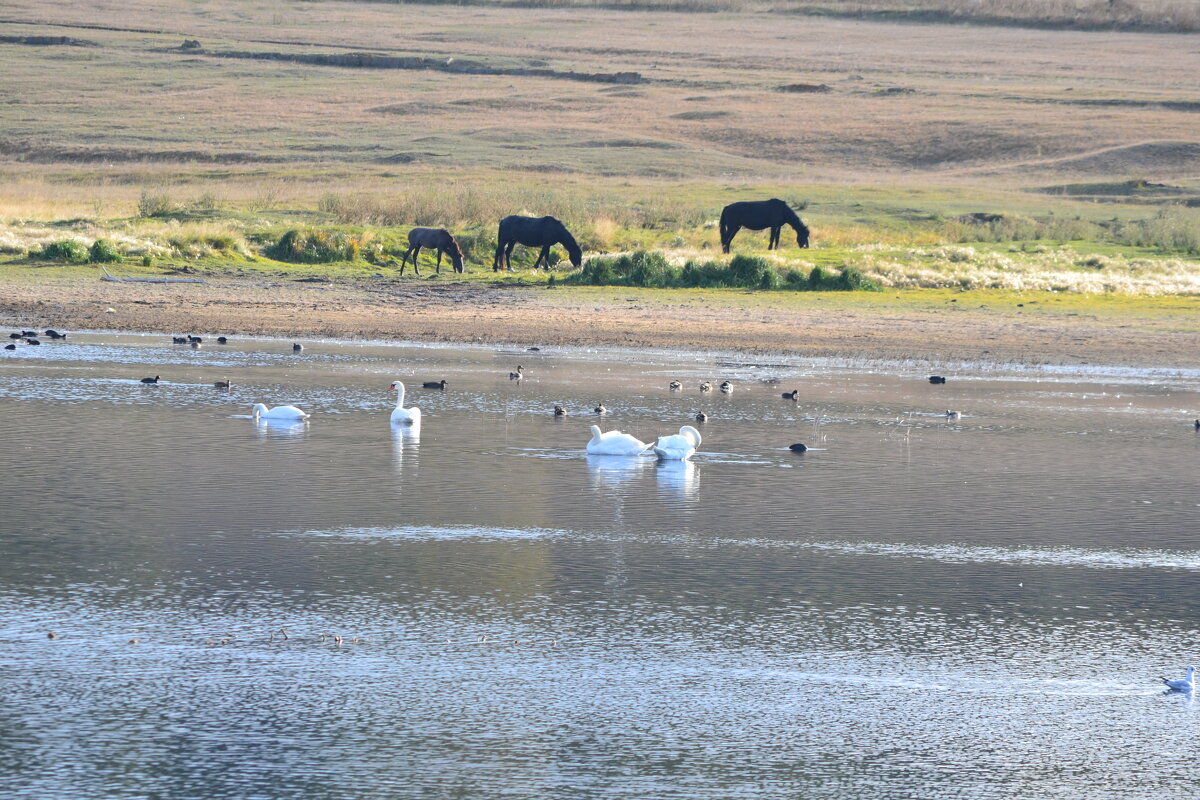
[(568, 240), (453, 243)]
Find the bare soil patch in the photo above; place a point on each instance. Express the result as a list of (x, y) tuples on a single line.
[(815, 325)]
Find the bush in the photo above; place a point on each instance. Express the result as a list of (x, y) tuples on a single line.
[(642, 268), (852, 280), (156, 204), (103, 251), (315, 247), (67, 250), (651, 269)]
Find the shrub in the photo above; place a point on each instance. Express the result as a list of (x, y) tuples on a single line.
[(67, 250), (103, 251), (147, 260), (642, 268), (818, 279), (156, 204), (794, 279), (315, 247), (852, 280), (750, 271)]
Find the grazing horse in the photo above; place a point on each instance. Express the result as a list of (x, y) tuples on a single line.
[(759, 214), (542, 232), (436, 238)]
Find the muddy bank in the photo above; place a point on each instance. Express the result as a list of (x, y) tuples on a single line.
[(842, 325)]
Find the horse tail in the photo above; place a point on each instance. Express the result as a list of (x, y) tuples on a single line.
[(726, 236)]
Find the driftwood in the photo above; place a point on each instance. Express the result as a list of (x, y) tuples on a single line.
[(107, 277)]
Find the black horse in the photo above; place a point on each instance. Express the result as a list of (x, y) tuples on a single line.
[(759, 214), (542, 232), (436, 238)]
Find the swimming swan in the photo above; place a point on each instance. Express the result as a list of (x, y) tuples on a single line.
[(1184, 685), (678, 446), (278, 412), (614, 443), (400, 414)]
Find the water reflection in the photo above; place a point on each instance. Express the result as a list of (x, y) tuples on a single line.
[(611, 472), (678, 479), (406, 441), (268, 428)]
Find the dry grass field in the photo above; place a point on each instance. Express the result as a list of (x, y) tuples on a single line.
[(635, 126)]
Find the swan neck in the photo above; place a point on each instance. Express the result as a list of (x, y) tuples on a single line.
[(399, 395), (595, 433)]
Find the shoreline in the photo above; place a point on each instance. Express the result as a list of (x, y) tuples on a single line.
[(924, 327)]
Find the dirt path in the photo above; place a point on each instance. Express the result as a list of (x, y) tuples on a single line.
[(848, 325)]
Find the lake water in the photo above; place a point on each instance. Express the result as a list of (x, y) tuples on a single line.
[(918, 607)]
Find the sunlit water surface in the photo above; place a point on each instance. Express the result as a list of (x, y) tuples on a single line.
[(918, 607)]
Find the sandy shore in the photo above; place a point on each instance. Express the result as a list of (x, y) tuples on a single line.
[(934, 328)]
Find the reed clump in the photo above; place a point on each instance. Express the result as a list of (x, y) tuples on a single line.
[(314, 246)]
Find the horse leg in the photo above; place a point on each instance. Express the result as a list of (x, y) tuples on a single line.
[(439, 264), (774, 243), (508, 255), (543, 256), (417, 255), (499, 252), (404, 260)]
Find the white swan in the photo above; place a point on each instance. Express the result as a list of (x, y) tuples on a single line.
[(614, 443), (678, 446), (1184, 685), (400, 414), (278, 412)]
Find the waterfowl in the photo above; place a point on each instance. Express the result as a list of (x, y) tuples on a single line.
[(559, 411), (953, 414), (53, 334), (195, 345), (51, 635), (706, 387), (614, 443), (10, 347), (937, 379), (15, 336), (179, 340), (675, 386), (534, 349), (28, 333), (150, 380), (297, 347), (195, 339), (798, 448), (701, 416), (678, 446), (400, 414), (32, 341), (435, 384), (600, 409), (794, 394), (726, 387), (516, 376), (1184, 685), (222, 340), (1198, 424), (222, 384), (278, 412)]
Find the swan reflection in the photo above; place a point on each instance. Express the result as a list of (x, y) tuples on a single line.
[(611, 472), (268, 428), (678, 479), (406, 439)]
